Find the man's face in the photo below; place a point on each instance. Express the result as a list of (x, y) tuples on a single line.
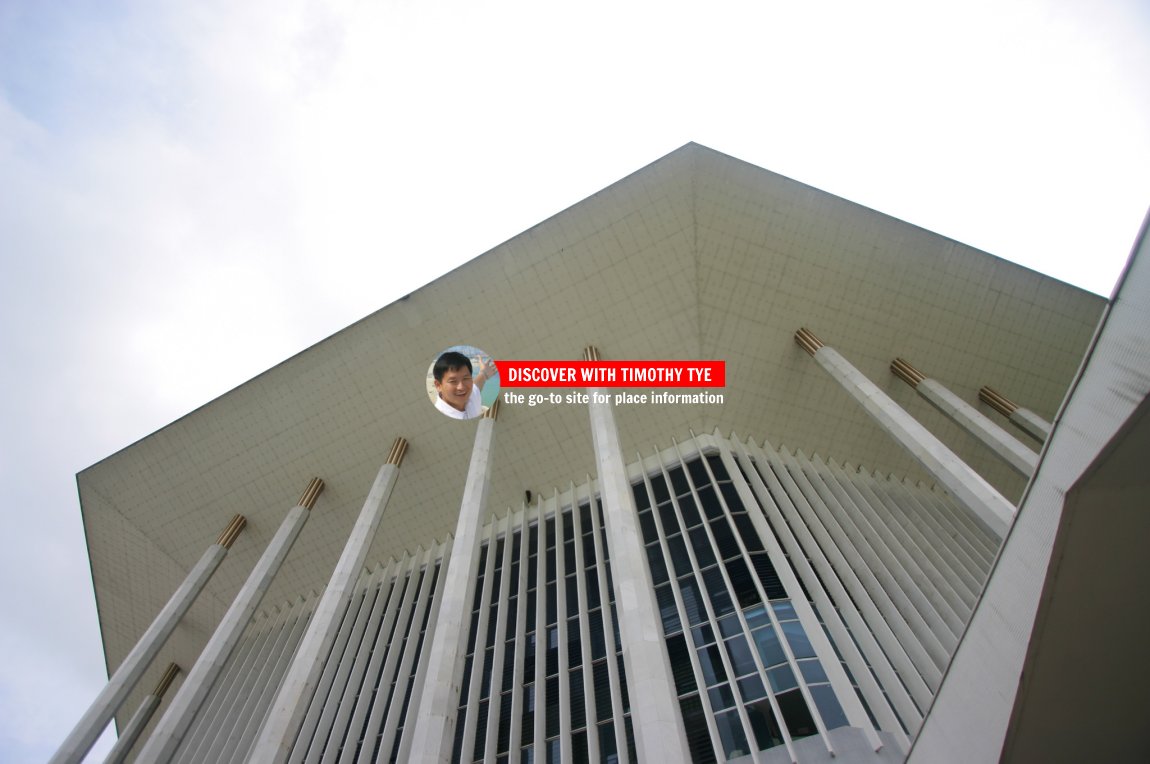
[(455, 387)]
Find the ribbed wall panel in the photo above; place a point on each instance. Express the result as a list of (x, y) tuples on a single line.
[(357, 710), (797, 597), (543, 678)]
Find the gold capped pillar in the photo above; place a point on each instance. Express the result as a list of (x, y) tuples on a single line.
[(91, 725), (656, 719), (991, 508), (1024, 419), (1020, 458), (278, 733), (142, 716), (433, 731), (173, 725)]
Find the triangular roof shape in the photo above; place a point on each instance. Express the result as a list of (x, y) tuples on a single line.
[(696, 256)]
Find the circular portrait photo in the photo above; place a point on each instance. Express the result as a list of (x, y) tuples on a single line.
[(462, 382)]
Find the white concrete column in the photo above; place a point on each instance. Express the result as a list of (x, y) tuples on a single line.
[(91, 725), (655, 714), (967, 487), (1021, 459), (1024, 419), (141, 718), (278, 734), (433, 735), (174, 724)]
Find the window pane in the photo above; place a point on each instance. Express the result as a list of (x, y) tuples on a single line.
[(767, 642), (765, 726), (741, 581), (679, 558), (715, 462), (711, 662), (741, 660), (731, 734), (665, 598), (795, 714), (704, 554), (690, 511), (812, 671), (698, 737), (828, 706), (698, 472), (797, 639), (647, 525), (681, 664), (721, 697), (659, 488), (782, 678), (668, 519)]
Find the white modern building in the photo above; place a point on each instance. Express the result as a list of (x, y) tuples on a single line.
[(910, 525)]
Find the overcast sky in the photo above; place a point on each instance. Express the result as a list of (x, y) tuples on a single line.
[(191, 192)]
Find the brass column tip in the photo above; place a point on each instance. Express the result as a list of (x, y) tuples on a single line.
[(232, 532), (166, 680), (997, 401), (591, 353), (492, 411), (906, 372), (398, 451), (311, 493), (806, 339)]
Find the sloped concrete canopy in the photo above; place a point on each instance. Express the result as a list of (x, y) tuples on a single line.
[(698, 256)]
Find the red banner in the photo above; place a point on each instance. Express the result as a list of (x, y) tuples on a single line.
[(612, 373)]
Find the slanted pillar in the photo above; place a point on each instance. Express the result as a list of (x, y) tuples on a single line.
[(174, 724), (91, 725), (1024, 419), (655, 714), (991, 508), (1019, 457), (278, 734), (141, 718), (433, 730)]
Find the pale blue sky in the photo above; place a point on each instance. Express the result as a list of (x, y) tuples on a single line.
[(192, 192)]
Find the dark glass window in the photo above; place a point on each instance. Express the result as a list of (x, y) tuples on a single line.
[(578, 700), (679, 481), (704, 554), (657, 565), (665, 598), (695, 724), (602, 682), (765, 726), (740, 654), (698, 472), (572, 595), (711, 507), (717, 589), (742, 582), (677, 651), (716, 464), (647, 526), (796, 714), (552, 726), (690, 511), (667, 517), (679, 557), (731, 734), (731, 495)]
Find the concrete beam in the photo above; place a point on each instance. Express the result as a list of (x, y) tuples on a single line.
[(433, 734), (91, 725), (174, 724), (968, 488)]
